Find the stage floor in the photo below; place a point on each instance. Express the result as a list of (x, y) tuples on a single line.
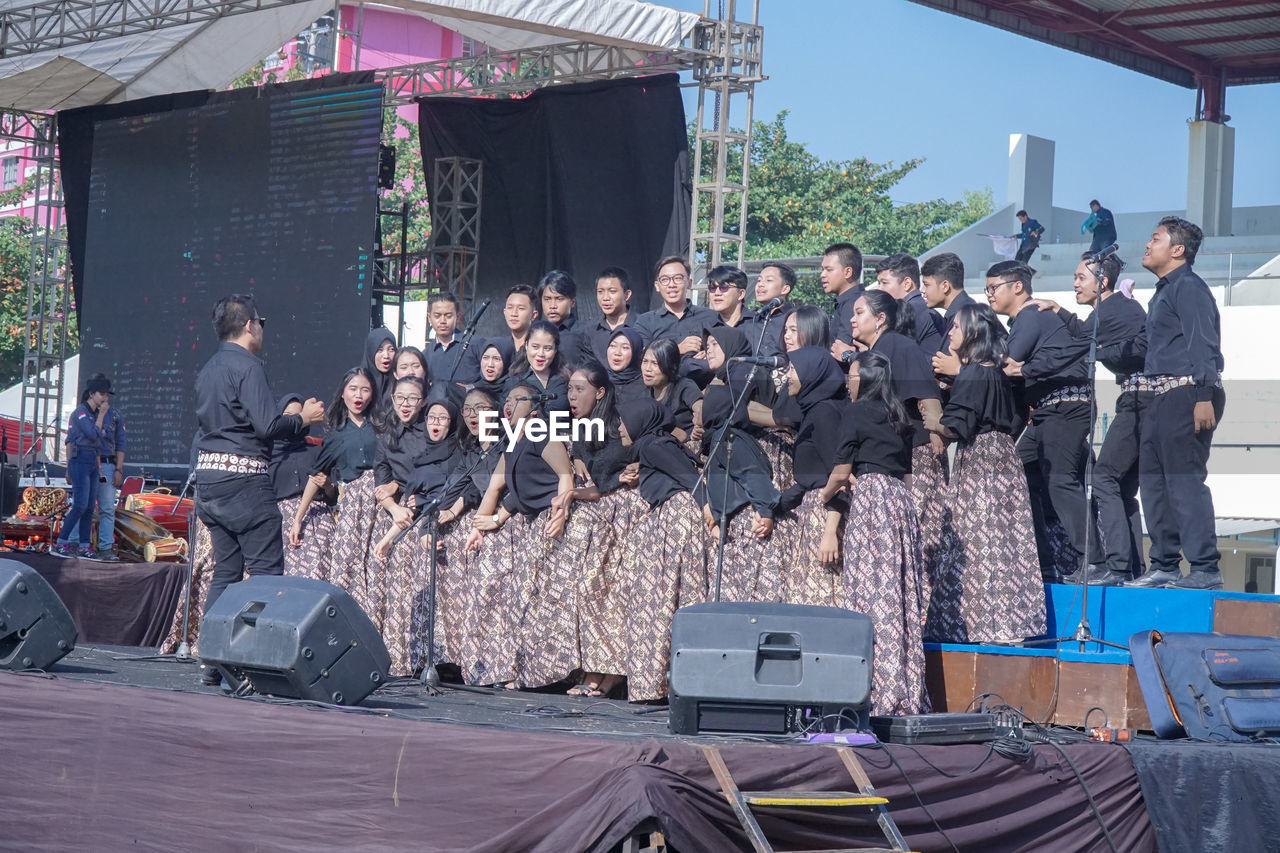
[(112, 751)]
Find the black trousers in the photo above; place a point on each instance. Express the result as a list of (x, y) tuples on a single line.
[(244, 526), (1173, 462), (1115, 486), (1023, 255), (1053, 449)]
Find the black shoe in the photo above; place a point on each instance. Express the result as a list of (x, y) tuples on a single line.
[(210, 676), (1093, 576), (1113, 579), (1199, 580), (1154, 579)]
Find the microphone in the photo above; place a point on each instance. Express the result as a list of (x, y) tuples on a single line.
[(1105, 253), (479, 311), (773, 362), (775, 302), (544, 397)]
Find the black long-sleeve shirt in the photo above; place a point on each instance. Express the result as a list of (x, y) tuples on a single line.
[(981, 401), (766, 338), (236, 411), (1052, 358), (573, 346), (1122, 333), (912, 378), (666, 468), (747, 479), (814, 451), (396, 465), (441, 359), (1184, 334), (347, 452), (842, 314), (661, 323)]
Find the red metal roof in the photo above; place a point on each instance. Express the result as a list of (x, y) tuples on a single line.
[(1219, 42)]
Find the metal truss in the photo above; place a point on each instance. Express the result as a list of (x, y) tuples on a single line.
[(48, 294), (457, 193), (58, 24)]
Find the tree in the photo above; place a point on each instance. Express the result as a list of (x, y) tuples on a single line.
[(798, 204)]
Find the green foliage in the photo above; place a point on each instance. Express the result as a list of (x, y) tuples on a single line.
[(798, 204), (15, 271)]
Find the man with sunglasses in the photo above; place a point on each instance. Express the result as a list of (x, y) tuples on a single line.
[(237, 420)]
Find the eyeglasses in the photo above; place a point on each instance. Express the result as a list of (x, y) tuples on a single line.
[(401, 400), (473, 411), (721, 286), (992, 288), (437, 419), (678, 278)]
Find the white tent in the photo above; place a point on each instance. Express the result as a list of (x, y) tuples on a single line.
[(91, 64)]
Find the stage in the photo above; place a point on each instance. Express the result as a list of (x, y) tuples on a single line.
[(108, 752)]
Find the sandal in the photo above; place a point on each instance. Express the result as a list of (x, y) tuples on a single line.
[(606, 686), (582, 689)]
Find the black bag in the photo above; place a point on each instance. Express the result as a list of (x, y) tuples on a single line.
[(1209, 686)]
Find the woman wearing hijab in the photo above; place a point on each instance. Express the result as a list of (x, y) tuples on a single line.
[(623, 354), (679, 395), (392, 583), (290, 463), (344, 467), (467, 597), (495, 360), (598, 533), (882, 574), (515, 530), (739, 486), (815, 405), (994, 590), (379, 361), (886, 325), (667, 559)]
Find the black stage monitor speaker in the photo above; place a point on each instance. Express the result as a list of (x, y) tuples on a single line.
[(769, 668), (12, 493), (35, 627), (294, 637)]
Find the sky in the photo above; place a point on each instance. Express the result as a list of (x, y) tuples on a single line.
[(891, 80)]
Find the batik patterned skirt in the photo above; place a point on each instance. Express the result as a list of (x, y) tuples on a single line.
[(939, 545), (994, 590), (549, 649), (311, 558), (667, 566), (401, 595), (883, 578), (777, 444), (754, 569), (456, 570), (808, 579), (352, 562), (491, 600), (604, 582), (197, 589)]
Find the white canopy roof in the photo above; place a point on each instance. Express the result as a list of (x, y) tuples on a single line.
[(209, 54)]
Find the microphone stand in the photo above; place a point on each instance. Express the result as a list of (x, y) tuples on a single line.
[(467, 334), (430, 512), (1083, 634)]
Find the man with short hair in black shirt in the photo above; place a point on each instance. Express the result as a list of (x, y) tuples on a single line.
[(899, 276), (558, 301), (238, 420), (446, 360), (1184, 365), (1053, 447), (764, 329), (613, 296), (942, 286), (676, 319), (840, 276), (1120, 326)]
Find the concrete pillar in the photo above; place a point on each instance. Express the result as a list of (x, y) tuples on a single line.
[(1031, 179), (1210, 174)]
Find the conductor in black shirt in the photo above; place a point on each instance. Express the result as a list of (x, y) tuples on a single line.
[(238, 420), (1184, 365)]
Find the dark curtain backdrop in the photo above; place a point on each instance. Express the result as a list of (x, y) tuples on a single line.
[(577, 178)]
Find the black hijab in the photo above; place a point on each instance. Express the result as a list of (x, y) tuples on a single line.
[(446, 448), (820, 376), (628, 382), (717, 400), (735, 345), (645, 419), (507, 349), (384, 381)]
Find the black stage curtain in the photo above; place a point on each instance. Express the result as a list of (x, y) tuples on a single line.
[(75, 146), (294, 778), (577, 178)]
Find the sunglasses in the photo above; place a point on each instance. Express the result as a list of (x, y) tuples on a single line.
[(721, 286), (262, 321)]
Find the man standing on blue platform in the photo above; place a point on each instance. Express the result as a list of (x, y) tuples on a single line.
[(1029, 237), (1184, 367)]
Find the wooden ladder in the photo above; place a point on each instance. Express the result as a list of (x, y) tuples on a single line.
[(866, 797)]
